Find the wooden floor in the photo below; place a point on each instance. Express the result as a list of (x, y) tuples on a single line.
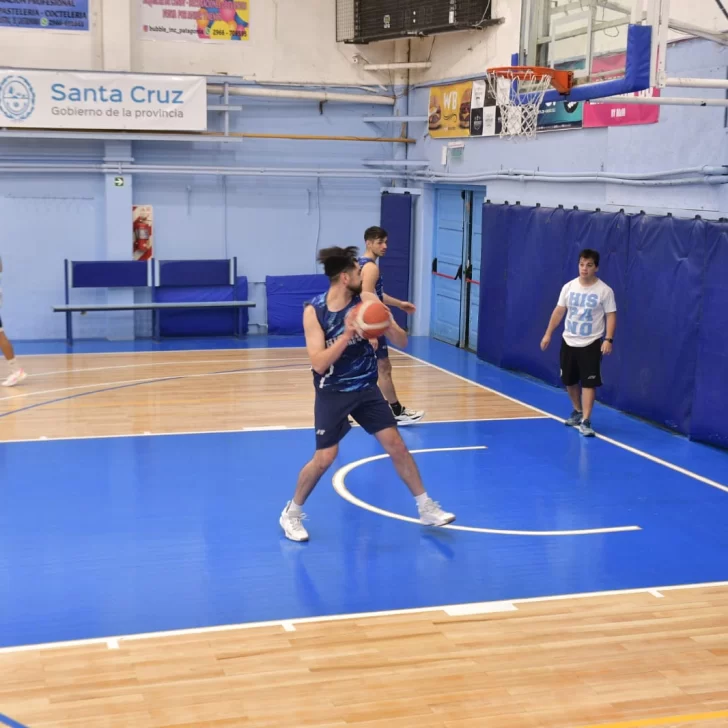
[(623, 660), (132, 394), (607, 660)]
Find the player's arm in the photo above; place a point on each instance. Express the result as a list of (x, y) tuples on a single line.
[(611, 327), (405, 306), (556, 317), (321, 357), (397, 335), (369, 278), (611, 324)]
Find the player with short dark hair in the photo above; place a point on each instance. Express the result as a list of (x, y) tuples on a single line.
[(345, 379), (590, 308), (376, 240)]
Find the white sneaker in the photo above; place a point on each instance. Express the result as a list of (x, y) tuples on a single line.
[(409, 417), (432, 515), (15, 378), (291, 524)]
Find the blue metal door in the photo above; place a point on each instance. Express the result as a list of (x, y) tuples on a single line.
[(447, 266)]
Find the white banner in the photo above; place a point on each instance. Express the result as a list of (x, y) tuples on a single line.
[(113, 101), (195, 20)]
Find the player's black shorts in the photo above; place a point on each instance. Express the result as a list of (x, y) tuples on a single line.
[(581, 364), (1, 323), (332, 409), (382, 350)]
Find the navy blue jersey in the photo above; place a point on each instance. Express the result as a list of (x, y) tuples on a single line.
[(356, 368), (379, 288)]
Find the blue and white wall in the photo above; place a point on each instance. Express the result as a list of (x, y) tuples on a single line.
[(274, 225)]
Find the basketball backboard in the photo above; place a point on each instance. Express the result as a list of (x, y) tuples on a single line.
[(588, 37)]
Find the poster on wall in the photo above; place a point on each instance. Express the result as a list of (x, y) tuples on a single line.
[(449, 110), (73, 100), (45, 14), (484, 114), (195, 20), (142, 232)]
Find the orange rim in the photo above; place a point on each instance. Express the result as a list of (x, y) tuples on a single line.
[(562, 81)]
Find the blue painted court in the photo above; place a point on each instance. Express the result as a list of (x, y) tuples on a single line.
[(112, 536)]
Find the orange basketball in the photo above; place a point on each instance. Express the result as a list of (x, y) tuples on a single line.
[(371, 319)]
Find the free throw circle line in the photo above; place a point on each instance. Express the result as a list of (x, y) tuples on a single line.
[(339, 483)]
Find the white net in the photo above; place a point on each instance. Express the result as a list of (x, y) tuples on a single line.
[(518, 96)]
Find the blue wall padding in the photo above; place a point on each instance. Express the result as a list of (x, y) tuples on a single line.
[(668, 275), (535, 276), (494, 270), (194, 273), (109, 273), (396, 219), (286, 296), (192, 322), (636, 76), (709, 421), (659, 333)]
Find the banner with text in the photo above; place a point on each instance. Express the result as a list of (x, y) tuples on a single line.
[(195, 20), (44, 14), (69, 100), (463, 110)]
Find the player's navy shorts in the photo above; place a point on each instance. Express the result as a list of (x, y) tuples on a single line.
[(332, 409), (382, 350), (1, 323)]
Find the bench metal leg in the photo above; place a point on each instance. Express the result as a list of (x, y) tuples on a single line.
[(69, 329)]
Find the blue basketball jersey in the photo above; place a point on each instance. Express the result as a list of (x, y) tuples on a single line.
[(379, 288), (356, 368)]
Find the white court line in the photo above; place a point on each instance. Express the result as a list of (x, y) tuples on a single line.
[(262, 428), (159, 351), (616, 443), (173, 377), (494, 606), (340, 487), (292, 359)]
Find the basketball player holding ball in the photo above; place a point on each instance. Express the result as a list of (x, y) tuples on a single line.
[(345, 377)]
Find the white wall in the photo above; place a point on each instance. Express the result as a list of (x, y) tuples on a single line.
[(290, 41), (470, 52)]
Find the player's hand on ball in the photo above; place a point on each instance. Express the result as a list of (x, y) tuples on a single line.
[(350, 323)]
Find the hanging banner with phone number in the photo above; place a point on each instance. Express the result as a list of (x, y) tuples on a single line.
[(195, 20), (44, 14)]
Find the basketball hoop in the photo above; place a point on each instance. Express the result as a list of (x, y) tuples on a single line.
[(519, 92)]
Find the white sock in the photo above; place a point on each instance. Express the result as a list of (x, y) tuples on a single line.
[(294, 509), (421, 499), (13, 364)]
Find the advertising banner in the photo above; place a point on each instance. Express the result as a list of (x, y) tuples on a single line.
[(72, 100), (195, 20), (45, 14)]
